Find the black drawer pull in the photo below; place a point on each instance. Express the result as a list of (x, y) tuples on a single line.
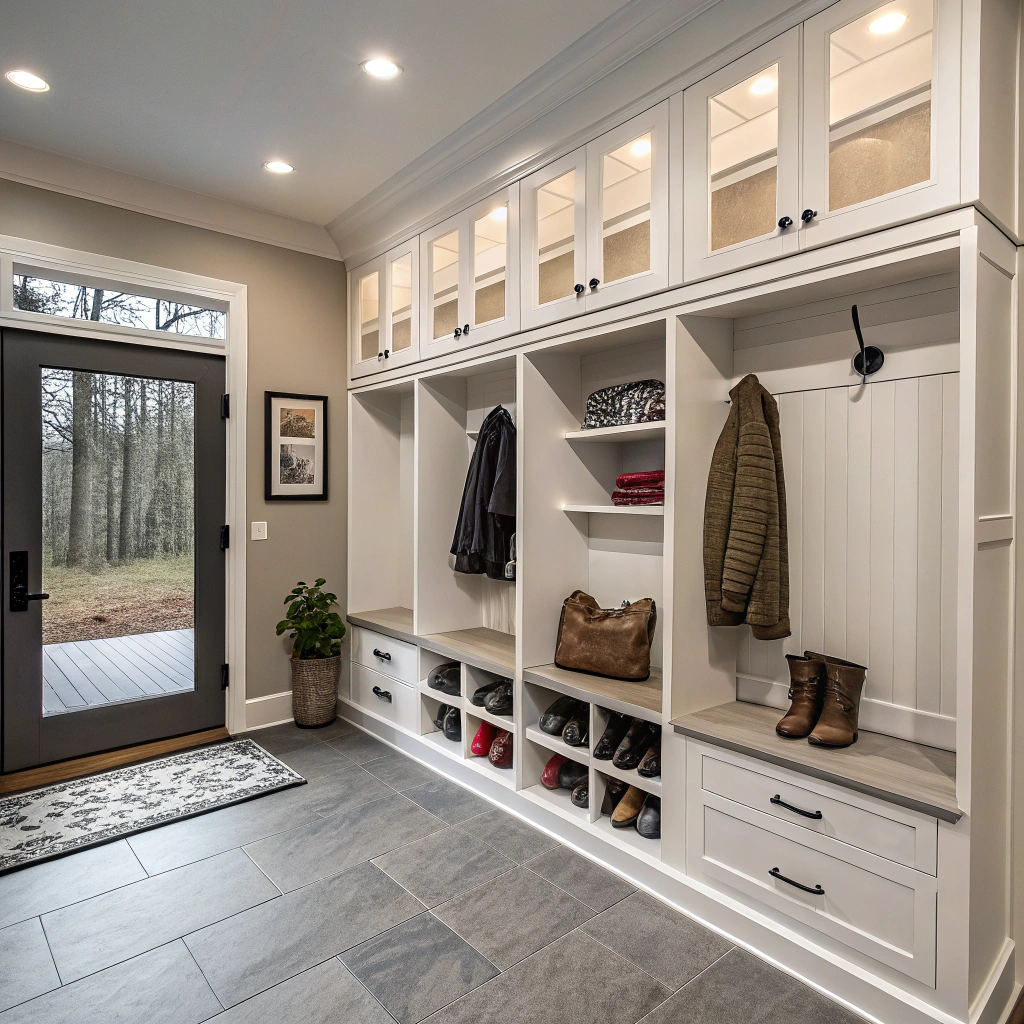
[(382, 694), (816, 891), (383, 655), (779, 802)]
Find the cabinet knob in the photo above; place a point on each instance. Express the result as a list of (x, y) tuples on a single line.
[(387, 353), (808, 215), (785, 222), (594, 282), (579, 289), (380, 356), (458, 332), (465, 330)]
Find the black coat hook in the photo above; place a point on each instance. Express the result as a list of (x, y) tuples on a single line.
[(869, 359)]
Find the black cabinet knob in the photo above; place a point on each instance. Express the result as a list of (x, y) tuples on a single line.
[(458, 332), (465, 330), (808, 215), (594, 282), (579, 289), (380, 356), (387, 353), (785, 222), (383, 655)]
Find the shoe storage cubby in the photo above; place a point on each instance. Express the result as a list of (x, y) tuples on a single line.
[(481, 762), (536, 700), (602, 821), (535, 757), (473, 679), (601, 718)]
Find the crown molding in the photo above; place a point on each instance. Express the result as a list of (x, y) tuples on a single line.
[(99, 184)]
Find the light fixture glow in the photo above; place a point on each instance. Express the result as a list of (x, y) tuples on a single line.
[(501, 213), (278, 167), (26, 80), (641, 147), (887, 23), (380, 67), (762, 86)]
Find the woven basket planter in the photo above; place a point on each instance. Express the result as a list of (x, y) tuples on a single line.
[(315, 690)]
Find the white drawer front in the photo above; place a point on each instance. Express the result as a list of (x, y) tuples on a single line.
[(879, 908), (906, 838), (384, 696), (393, 657)]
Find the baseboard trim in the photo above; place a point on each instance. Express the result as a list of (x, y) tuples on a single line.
[(31, 778), (272, 709)]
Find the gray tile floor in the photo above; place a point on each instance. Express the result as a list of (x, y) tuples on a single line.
[(379, 892)]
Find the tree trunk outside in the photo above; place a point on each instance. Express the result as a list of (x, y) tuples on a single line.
[(80, 531), (126, 520)]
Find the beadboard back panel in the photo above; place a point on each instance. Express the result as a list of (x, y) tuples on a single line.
[(871, 484)]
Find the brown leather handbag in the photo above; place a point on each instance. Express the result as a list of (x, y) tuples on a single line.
[(613, 642)]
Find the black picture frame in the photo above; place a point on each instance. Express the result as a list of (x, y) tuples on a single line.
[(271, 444)]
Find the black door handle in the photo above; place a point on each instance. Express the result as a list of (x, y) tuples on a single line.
[(594, 282), (785, 222), (384, 695), (579, 289), (816, 891), (808, 215), (18, 575), (779, 802), (383, 655)]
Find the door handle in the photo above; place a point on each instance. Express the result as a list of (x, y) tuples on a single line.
[(384, 695), (18, 575), (779, 802), (383, 655), (816, 891)]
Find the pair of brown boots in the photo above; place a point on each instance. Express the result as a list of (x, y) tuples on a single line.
[(825, 694)]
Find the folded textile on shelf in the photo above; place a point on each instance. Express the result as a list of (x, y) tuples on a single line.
[(628, 498), (640, 492), (628, 481)]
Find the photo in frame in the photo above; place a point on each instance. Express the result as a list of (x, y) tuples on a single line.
[(295, 447)]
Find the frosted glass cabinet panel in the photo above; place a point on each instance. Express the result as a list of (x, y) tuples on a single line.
[(383, 300), (365, 303), (741, 161)]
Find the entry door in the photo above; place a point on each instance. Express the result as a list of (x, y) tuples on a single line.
[(113, 502)]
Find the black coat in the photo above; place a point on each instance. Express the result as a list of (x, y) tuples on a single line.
[(487, 518)]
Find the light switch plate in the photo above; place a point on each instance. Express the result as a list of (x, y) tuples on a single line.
[(259, 531)]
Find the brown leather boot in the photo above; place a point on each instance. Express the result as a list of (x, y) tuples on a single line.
[(806, 691), (837, 726)]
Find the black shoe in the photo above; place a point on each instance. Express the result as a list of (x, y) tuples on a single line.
[(447, 678), (442, 710), (614, 791), (612, 736), (577, 729), (650, 763), (453, 725), (499, 700), (581, 794), (553, 720), (571, 774), (648, 821), (481, 693), (634, 745)]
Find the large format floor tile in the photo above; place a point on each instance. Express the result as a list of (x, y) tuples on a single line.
[(575, 980), (26, 967), (360, 747), (343, 789), (398, 771), (417, 967), (107, 929), (740, 987), (325, 847), (442, 865), (282, 739), (509, 835), (35, 890), (513, 916), (666, 944), (448, 801), (314, 761), (325, 994), (581, 878), (259, 948), (163, 986)]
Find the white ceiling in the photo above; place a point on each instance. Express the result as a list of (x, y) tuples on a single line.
[(198, 93)]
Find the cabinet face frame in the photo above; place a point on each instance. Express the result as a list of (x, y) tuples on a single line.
[(429, 345), (533, 313), (698, 259), (941, 190), (654, 121), (412, 353), (361, 367)]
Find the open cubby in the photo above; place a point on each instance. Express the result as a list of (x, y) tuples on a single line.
[(472, 679), (602, 823), (600, 721), (471, 723), (536, 700)]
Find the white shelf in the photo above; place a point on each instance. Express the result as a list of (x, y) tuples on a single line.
[(626, 432), (506, 722), (628, 839), (559, 801), (647, 785), (441, 697), (504, 776), (618, 510), (451, 748), (557, 745)]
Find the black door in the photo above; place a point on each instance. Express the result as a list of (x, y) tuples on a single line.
[(113, 502)]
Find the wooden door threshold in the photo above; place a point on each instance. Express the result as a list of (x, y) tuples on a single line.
[(30, 778)]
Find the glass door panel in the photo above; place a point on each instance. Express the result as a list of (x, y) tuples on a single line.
[(626, 210), (556, 238), (490, 265), (444, 284), (369, 317), (401, 303)]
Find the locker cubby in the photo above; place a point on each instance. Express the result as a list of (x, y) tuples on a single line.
[(472, 679)]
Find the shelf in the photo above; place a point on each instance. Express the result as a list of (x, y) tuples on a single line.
[(441, 698), (627, 838), (642, 700), (393, 622), (506, 722), (451, 748), (484, 648), (557, 745), (618, 510), (505, 776), (559, 801), (626, 432), (898, 771), (630, 778)]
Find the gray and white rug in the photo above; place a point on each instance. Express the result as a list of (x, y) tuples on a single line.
[(54, 820)]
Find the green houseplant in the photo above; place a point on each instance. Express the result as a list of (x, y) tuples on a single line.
[(316, 634)]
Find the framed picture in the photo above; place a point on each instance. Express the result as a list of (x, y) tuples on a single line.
[(295, 439)]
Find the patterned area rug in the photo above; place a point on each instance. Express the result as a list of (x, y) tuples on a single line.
[(48, 822)]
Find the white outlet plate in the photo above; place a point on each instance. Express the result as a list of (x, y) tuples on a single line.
[(259, 531)]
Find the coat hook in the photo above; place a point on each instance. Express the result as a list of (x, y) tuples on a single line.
[(869, 359)]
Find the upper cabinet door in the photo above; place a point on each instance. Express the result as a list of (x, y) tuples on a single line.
[(741, 161), (627, 210), (366, 309), (444, 280), (401, 295), (554, 239), (881, 137)]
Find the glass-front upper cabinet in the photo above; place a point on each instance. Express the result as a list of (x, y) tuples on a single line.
[(595, 223), (741, 161), (470, 289), (383, 300)]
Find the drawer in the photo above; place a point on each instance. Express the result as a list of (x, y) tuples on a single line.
[(395, 658), (883, 829), (389, 698), (875, 906)]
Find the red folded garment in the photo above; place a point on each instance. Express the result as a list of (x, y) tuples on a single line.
[(640, 492), (626, 481), (625, 498)]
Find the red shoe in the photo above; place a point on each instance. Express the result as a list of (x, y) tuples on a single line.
[(482, 740), (549, 777), (500, 754)]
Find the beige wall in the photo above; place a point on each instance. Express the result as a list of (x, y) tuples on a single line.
[(296, 343)]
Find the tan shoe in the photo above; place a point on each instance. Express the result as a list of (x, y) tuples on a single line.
[(627, 809), (840, 713), (806, 693)]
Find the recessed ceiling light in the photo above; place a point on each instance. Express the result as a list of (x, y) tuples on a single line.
[(26, 80), (380, 67), (763, 86), (641, 147), (278, 167), (887, 23), (501, 213)]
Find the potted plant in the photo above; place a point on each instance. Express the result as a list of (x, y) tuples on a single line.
[(317, 633)]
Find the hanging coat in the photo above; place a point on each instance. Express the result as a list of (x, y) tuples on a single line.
[(487, 518)]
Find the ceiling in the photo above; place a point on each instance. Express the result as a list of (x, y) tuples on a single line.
[(198, 93)]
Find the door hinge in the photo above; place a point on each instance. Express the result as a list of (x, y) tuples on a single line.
[(224, 677), (225, 407), (225, 538)]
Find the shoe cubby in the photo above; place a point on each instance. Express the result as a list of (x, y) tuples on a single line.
[(600, 722), (536, 700), (602, 821), (473, 679), (429, 707), (481, 762), (535, 757)]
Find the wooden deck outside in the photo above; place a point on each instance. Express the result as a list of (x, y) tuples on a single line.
[(93, 673)]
